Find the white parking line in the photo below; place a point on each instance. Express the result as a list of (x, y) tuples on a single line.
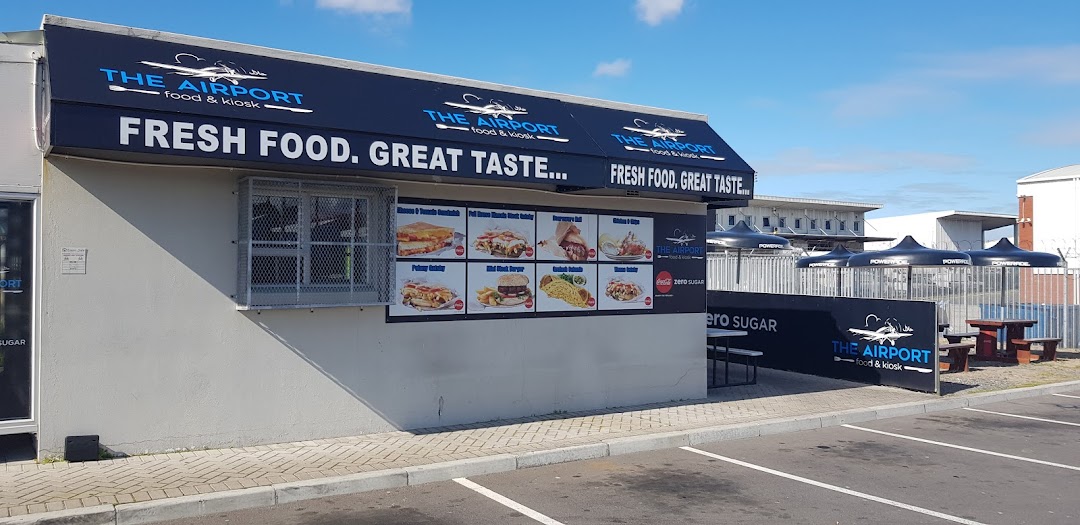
[(961, 447), (1023, 417), (506, 501), (1067, 395), (843, 490)]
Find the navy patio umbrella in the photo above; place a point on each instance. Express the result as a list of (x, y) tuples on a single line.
[(908, 253), (1005, 254), (742, 237), (837, 258)]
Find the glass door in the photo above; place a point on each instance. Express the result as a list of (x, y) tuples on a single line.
[(16, 304)]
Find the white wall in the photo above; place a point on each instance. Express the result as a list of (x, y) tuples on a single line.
[(148, 350), (20, 167), (923, 227), (1056, 223), (959, 235)]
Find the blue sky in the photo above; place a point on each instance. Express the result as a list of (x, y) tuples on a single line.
[(918, 105)]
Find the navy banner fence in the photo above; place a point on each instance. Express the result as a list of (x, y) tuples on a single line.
[(882, 342)]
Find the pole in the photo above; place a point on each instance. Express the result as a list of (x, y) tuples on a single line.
[(738, 264), (839, 281), (909, 283), (1002, 309)]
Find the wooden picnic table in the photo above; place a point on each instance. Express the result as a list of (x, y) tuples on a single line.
[(986, 343)]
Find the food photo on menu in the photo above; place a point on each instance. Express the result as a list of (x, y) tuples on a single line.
[(565, 288), (625, 287), (501, 287), (430, 231), (625, 239), (429, 289), (566, 237), (501, 234)]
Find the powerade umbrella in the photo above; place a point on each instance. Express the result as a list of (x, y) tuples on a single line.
[(741, 237), (908, 253), (837, 258), (1006, 254)]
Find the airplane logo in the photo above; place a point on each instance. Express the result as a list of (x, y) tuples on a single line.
[(494, 108), (218, 71), (658, 131), (681, 240), (888, 332)]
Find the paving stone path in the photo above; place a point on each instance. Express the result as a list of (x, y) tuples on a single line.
[(29, 487)]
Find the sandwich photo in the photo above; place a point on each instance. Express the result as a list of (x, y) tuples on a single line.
[(628, 248), (424, 296), (511, 289), (622, 290), (420, 238), (566, 287), (567, 243), (502, 243)]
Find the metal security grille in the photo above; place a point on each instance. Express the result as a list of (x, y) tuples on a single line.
[(309, 244)]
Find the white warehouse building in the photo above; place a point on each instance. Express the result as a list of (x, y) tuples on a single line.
[(1048, 212), (948, 230)]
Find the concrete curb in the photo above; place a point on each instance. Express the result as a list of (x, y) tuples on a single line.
[(191, 506), (96, 515)]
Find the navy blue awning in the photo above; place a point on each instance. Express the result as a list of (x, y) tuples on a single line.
[(115, 94)]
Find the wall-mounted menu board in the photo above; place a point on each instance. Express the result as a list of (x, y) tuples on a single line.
[(472, 260)]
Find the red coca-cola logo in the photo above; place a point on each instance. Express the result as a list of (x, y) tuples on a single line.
[(664, 282), (528, 302), (459, 250), (648, 254), (648, 301), (592, 253), (459, 305), (529, 252), (592, 302)]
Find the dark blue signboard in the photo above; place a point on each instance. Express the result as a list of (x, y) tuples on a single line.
[(876, 341), (123, 94)]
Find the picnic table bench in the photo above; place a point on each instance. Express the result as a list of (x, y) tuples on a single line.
[(714, 351), (958, 356), (1023, 348), (956, 337)]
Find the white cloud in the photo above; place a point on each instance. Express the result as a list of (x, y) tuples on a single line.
[(1051, 65), (805, 161), (616, 68), (938, 80), (1064, 132), (655, 12), (885, 98), (368, 7)]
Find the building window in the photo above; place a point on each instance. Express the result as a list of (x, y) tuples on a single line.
[(798, 224), (783, 222), (842, 225), (765, 222), (813, 224), (308, 244), (828, 225), (731, 220), (855, 225)]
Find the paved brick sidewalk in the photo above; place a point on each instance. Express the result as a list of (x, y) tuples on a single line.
[(29, 487)]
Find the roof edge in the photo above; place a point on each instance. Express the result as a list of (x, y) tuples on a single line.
[(102, 27)]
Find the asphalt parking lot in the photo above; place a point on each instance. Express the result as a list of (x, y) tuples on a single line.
[(1014, 462)]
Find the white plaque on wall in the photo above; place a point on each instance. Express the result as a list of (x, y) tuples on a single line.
[(73, 261)]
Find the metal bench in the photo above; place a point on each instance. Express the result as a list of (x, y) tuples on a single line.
[(958, 356), (1049, 348), (954, 338), (750, 359)]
